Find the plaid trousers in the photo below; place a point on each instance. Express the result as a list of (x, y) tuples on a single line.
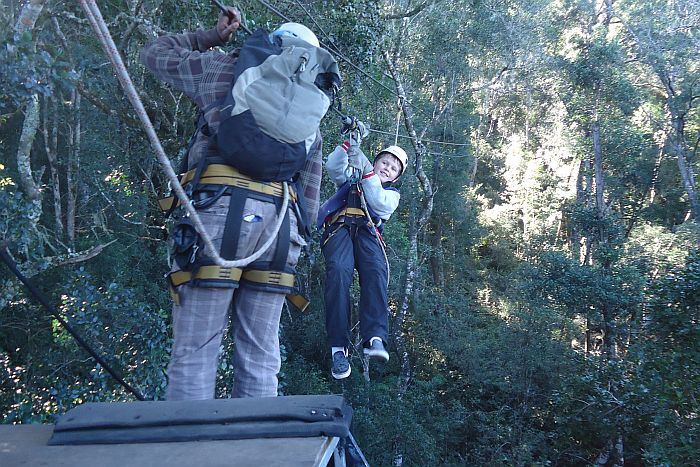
[(200, 319)]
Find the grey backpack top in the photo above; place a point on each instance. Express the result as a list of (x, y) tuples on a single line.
[(281, 90)]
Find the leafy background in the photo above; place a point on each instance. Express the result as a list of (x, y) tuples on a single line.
[(545, 308)]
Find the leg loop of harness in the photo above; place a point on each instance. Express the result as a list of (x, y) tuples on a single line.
[(205, 276)]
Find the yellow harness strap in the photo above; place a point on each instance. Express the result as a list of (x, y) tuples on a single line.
[(298, 301), (206, 272), (219, 174), (346, 212), (215, 272), (283, 279)]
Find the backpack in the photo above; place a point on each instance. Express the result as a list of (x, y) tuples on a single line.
[(281, 89)]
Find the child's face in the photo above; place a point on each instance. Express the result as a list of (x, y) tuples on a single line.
[(387, 167)]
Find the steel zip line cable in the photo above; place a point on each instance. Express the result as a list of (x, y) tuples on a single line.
[(325, 45), (337, 52)]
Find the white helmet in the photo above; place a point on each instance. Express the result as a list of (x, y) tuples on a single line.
[(297, 30), (399, 153)]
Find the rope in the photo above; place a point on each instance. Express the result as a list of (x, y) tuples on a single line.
[(7, 259), (98, 24)]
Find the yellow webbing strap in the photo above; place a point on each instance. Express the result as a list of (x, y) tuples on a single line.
[(277, 278), (354, 212), (206, 272), (283, 279), (219, 174), (298, 301), (166, 203), (234, 274)]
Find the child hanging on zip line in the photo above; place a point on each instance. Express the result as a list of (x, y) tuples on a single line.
[(353, 220)]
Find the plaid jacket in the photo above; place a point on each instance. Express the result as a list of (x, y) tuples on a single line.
[(186, 62)]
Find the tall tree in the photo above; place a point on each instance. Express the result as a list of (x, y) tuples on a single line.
[(26, 21), (665, 36)]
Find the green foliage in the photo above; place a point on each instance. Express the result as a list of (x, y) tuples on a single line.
[(16, 218), (668, 374), (128, 332), (501, 367), (27, 71)]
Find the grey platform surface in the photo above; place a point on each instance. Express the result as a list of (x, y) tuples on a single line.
[(25, 445)]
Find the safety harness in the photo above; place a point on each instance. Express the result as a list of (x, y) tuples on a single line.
[(206, 184), (347, 208)]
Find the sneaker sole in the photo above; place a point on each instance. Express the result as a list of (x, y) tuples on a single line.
[(383, 356), (341, 375)]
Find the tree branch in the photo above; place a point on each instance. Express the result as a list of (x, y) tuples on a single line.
[(410, 13), (32, 269)]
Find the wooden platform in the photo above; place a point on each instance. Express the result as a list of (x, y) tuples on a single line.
[(25, 445)]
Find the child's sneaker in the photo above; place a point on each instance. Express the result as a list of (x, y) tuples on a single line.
[(341, 365), (375, 349)]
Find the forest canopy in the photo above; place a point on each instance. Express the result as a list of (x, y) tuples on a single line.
[(545, 257)]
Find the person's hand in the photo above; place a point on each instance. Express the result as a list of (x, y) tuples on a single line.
[(362, 130), (228, 23), (359, 133)]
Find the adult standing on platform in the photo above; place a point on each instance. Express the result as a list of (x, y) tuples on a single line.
[(189, 63)]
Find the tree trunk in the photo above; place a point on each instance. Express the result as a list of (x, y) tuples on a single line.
[(25, 23), (655, 173), (652, 190), (678, 143), (51, 148), (72, 169), (575, 235), (676, 114), (415, 225), (437, 259), (28, 16), (78, 143), (24, 151), (598, 164)]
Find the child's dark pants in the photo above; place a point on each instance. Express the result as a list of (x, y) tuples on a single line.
[(355, 247)]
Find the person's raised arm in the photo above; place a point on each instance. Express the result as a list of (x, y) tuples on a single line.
[(177, 59)]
